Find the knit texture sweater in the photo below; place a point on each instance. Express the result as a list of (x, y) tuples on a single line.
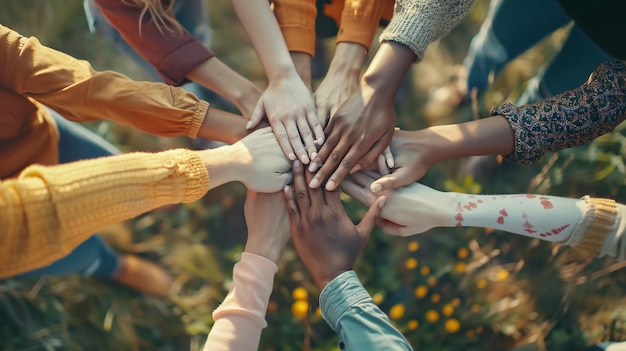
[(47, 211)]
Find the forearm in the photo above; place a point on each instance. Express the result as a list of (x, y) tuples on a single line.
[(349, 310), (569, 119), (223, 126), (240, 318), (218, 77), (348, 60), (417, 23), (262, 28), (388, 68), (63, 205), (488, 136), (302, 62)]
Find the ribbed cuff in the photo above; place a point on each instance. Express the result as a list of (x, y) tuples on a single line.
[(199, 115), (598, 223)]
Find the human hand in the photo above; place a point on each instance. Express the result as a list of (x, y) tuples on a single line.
[(259, 163), (412, 157), (341, 81), (290, 110), (326, 239), (409, 210), (268, 224), (359, 132)]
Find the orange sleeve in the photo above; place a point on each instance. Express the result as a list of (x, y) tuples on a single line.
[(359, 21), (296, 19)]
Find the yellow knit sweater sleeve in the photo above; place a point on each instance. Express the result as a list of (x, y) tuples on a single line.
[(47, 211)]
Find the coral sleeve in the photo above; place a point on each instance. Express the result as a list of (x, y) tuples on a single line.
[(47, 211), (174, 55), (240, 318)]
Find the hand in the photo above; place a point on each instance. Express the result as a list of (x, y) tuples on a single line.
[(260, 163), (341, 81), (412, 157), (409, 210), (326, 239), (268, 224), (291, 112), (359, 132)]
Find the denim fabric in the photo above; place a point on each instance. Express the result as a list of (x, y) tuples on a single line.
[(512, 27), (93, 257)]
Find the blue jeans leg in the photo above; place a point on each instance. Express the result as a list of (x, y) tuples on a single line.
[(93, 257)]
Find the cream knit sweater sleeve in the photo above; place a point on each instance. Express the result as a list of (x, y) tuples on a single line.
[(417, 23), (48, 211)]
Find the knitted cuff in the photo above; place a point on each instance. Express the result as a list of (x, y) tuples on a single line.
[(598, 224)]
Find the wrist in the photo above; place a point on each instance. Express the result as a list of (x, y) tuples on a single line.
[(224, 164), (323, 277), (348, 59), (265, 248), (302, 63), (282, 72), (389, 66)]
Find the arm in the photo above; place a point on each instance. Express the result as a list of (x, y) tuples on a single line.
[(287, 102), (178, 57), (68, 203), (523, 134), (79, 93), (349, 310), (241, 317), (328, 243), (596, 225)]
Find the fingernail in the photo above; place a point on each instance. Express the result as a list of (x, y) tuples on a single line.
[(314, 183), (320, 141), (382, 202), (390, 163), (330, 185), (292, 156), (313, 167), (286, 188), (305, 159), (296, 163), (313, 155), (355, 169), (376, 188), (248, 125)]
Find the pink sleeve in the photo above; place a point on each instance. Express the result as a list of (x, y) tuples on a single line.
[(241, 317)]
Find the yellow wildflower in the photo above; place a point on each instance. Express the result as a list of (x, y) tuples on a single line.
[(410, 263), (425, 270), (414, 246), (396, 311), (412, 324), (300, 309), (432, 316), (447, 309), (481, 284), (435, 298), (463, 252), (452, 325), (421, 291), (300, 294)]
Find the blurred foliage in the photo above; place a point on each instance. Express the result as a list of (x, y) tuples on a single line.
[(449, 289)]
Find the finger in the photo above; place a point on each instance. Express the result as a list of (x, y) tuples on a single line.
[(256, 116), (392, 228), (296, 141), (396, 179), (332, 162), (383, 169), (300, 187), (292, 206), (363, 179), (354, 155), (307, 137), (322, 114), (327, 147), (316, 125), (316, 195), (371, 217), (389, 159), (359, 193), (374, 151), (283, 141)]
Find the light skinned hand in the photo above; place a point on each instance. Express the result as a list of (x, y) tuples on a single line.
[(326, 239), (290, 109), (268, 224), (412, 209), (412, 160), (357, 134), (260, 163)]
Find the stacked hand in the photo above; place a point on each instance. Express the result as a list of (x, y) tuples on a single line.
[(268, 224), (326, 239)]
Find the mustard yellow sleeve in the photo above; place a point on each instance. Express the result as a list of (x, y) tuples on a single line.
[(359, 21), (47, 211), (296, 19), (78, 92)]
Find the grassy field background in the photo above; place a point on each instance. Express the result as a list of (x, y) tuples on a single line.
[(448, 289)]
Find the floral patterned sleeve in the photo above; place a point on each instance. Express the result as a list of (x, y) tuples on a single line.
[(569, 119)]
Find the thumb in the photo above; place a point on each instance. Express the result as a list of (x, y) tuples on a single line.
[(391, 181), (257, 115), (371, 217), (392, 228)]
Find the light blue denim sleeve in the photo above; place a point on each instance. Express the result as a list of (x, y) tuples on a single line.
[(350, 311)]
